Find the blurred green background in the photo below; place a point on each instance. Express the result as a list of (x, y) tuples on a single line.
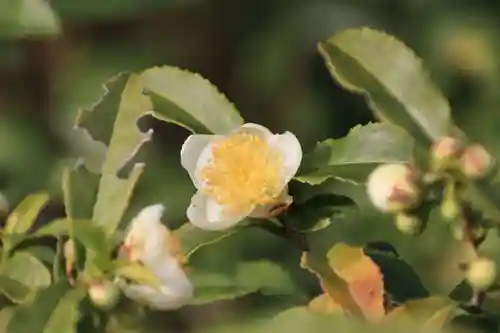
[(260, 53)]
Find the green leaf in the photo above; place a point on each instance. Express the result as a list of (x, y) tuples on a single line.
[(395, 270), (190, 101), (353, 157), (5, 315), (14, 290), (28, 270), (192, 238), (58, 227), (80, 192), (28, 18), (113, 122), (34, 316), (66, 314), (43, 253), (391, 76), (92, 236), (431, 313), (22, 218), (138, 274), (248, 277)]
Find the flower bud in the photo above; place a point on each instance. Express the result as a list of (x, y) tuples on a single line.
[(450, 205), (476, 162), (481, 273), (445, 153), (104, 294), (393, 187), (410, 224)]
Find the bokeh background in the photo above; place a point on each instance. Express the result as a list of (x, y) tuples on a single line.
[(260, 53)]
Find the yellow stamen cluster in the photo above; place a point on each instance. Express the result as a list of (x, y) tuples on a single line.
[(243, 172)]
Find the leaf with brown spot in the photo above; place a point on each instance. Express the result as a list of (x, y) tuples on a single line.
[(363, 278)]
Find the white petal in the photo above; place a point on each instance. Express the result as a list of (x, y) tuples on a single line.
[(146, 236), (255, 129), (206, 214), (175, 292), (191, 151), (288, 144), (264, 211)]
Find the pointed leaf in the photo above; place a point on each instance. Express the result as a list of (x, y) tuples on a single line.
[(391, 76), (113, 121), (22, 218), (65, 316), (58, 227), (353, 157), (190, 101)]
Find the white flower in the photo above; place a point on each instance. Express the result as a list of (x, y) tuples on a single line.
[(393, 187), (244, 173), (148, 241)]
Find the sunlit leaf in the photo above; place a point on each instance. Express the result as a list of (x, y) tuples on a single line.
[(392, 78), (28, 18), (22, 218), (354, 156), (58, 227), (189, 100)]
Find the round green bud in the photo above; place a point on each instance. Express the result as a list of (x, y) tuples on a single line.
[(409, 224), (481, 273), (450, 205), (104, 294)]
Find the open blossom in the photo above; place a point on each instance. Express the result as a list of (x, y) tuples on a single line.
[(244, 173), (393, 187), (149, 242)]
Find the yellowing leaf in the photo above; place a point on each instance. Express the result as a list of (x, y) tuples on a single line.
[(331, 282), (324, 304), (363, 278), (430, 313)]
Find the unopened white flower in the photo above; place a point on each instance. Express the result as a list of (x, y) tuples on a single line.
[(148, 241), (393, 187), (476, 162), (244, 173)]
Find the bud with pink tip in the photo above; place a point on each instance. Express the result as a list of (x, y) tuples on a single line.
[(394, 187), (476, 162), (445, 153)]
